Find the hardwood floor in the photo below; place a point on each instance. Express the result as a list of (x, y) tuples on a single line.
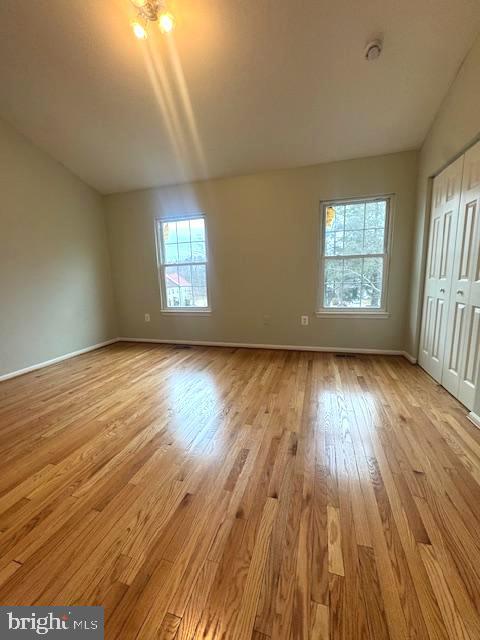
[(234, 493)]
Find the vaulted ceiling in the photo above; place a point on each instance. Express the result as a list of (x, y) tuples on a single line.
[(240, 86)]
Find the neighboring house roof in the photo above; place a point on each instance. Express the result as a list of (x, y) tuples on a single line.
[(177, 280)]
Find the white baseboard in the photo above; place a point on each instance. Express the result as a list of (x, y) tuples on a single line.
[(47, 363), (284, 347), (475, 418), (203, 343)]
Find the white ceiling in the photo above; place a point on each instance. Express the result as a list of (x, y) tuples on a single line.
[(242, 86)]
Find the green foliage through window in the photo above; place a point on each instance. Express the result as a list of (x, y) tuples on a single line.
[(354, 254)]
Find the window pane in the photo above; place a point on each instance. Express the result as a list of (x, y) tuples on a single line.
[(178, 284), (334, 218), (171, 286), (339, 241), (352, 271), (330, 244), (186, 297), (374, 240), (351, 295), (171, 253), (334, 244), (375, 214), (198, 252), (333, 283), (354, 229), (200, 297), (372, 283), (334, 270), (353, 283), (353, 243), (169, 231), (330, 296), (354, 215), (199, 275), (199, 281), (197, 230), (173, 296), (171, 277), (184, 252), (184, 242), (184, 275), (183, 230)]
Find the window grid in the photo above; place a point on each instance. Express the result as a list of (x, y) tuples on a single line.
[(183, 264), (353, 275)]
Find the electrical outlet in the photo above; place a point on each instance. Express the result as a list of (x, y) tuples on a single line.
[(266, 320), (147, 317), (304, 321)]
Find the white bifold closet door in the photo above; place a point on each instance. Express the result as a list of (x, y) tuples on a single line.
[(461, 363), (443, 228)]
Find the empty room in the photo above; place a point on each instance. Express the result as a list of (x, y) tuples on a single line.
[(240, 319)]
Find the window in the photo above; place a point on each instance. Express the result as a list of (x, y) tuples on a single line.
[(183, 259), (354, 256)]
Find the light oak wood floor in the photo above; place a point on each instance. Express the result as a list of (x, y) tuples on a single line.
[(234, 493)]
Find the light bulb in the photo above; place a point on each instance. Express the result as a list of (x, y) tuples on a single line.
[(139, 30), (166, 22)]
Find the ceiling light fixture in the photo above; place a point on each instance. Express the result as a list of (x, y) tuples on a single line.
[(151, 11), (373, 50)]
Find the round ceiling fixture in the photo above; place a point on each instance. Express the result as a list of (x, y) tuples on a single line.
[(373, 50)]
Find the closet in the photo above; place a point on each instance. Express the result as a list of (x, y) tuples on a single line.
[(450, 337)]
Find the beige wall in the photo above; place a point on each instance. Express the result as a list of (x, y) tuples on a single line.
[(456, 126), (54, 264), (263, 235), (55, 283)]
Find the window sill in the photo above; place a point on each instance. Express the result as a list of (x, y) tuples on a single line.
[(186, 312), (378, 315)]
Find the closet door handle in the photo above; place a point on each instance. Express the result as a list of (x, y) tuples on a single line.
[(460, 292), (442, 290)]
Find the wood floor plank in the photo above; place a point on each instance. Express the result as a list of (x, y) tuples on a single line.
[(335, 555), (8, 571), (197, 602), (452, 618), (229, 493), (465, 598), (169, 628), (320, 622), (285, 593), (372, 595), (248, 604)]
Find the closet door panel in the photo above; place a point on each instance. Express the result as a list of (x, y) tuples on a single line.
[(454, 348), (468, 283), (472, 352), (440, 260), (458, 316)]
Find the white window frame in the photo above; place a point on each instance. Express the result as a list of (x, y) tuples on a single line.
[(356, 312), (162, 264)]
